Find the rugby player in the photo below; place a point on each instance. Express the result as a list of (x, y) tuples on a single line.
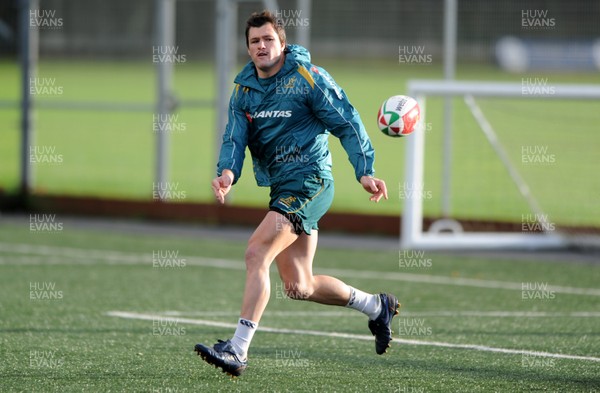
[(283, 109)]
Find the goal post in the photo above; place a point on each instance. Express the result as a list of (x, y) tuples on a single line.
[(447, 233)]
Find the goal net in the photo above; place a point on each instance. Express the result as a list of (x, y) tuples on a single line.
[(522, 173)]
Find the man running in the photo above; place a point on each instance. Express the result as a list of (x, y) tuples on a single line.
[(283, 109)]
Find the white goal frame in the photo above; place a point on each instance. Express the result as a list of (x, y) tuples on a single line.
[(412, 235)]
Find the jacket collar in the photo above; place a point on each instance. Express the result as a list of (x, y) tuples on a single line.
[(294, 54)]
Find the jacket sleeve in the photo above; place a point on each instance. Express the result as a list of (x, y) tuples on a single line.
[(235, 139), (333, 108)]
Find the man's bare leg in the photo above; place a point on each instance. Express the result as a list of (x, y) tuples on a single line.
[(275, 239), (273, 235), (295, 269)]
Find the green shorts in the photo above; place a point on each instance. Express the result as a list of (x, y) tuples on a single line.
[(303, 200)]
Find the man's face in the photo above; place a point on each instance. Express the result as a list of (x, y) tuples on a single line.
[(265, 49)]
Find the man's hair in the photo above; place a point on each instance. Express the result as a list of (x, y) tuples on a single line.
[(261, 19)]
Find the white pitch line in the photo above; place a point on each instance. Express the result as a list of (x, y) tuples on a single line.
[(79, 256), (348, 313), (507, 314), (444, 280), (152, 317), (84, 256)]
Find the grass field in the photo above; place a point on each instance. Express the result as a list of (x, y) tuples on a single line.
[(90, 307), (111, 154)]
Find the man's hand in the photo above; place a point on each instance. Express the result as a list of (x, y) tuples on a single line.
[(222, 184), (374, 186)]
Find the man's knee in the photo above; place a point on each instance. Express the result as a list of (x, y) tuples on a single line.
[(256, 255)]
